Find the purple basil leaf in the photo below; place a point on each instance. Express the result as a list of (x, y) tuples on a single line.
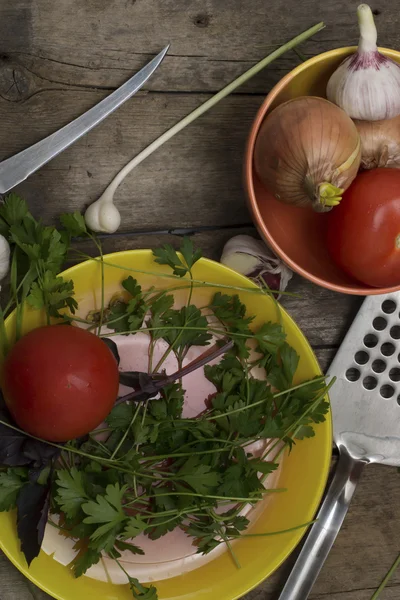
[(131, 378), (18, 449), (39, 453), (140, 382), (112, 346), (32, 511)]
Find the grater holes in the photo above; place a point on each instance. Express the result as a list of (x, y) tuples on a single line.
[(388, 306), (387, 391), (395, 332), (370, 340), (379, 323), (394, 374), (370, 382), (353, 374), (361, 357), (388, 349), (379, 365)]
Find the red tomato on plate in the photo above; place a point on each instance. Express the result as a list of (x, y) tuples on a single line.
[(364, 230), (59, 382)]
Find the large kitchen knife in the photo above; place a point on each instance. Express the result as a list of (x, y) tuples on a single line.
[(365, 402), (17, 168)]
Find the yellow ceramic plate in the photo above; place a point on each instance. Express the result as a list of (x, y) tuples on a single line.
[(304, 472)]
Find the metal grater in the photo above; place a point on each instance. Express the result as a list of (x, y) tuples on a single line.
[(365, 403)]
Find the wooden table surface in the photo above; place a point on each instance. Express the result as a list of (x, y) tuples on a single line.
[(58, 58)]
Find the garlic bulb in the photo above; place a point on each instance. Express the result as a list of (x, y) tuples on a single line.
[(253, 258), (380, 143), (103, 216), (4, 257), (367, 84), (307, 153)]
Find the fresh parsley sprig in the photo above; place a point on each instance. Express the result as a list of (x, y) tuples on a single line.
[(151, 470)]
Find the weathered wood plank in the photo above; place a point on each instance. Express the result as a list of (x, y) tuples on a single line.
[(98, 43), (365, 549), (14, 585), (194, 180)]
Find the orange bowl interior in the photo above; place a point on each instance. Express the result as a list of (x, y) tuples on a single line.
[(298, 234)]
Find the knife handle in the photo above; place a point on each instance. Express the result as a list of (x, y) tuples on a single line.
[(323, 533)]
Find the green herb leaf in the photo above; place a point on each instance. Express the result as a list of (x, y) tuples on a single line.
[(232, 313), (189, 253), (74, 223), (199, 476), (84, 560), (11, 484), (71, 492), (141, 592), (120, 416), (134, 527), (177, 335), (168, 256), (124, 317), (53, 294), (13, 210), (107, 511), (122, 545)]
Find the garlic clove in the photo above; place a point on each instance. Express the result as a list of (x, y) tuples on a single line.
[(103, 216), (4, 257), (366, 84), (254, 259), (241, 262), (380, 143)]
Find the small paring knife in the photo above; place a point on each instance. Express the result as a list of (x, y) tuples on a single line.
[(17, 168)]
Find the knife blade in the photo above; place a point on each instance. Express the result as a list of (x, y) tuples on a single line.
[(17, 168)]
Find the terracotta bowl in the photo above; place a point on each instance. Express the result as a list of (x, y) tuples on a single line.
[(297, 235)]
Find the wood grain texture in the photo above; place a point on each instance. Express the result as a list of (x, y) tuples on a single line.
[(57, 59), (195, 180)]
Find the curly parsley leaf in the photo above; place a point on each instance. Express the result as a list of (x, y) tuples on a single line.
[(120, 416), (127, 317), (134, 526), (12, 212), (189, 253), (183, 328), (141, 592), (53, 294), (71, 492), (74, 224), (11, 483), (198, 475), (86, 558), (232, 314), (167, 255)]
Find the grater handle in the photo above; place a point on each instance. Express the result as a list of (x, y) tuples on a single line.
[(323, 533)]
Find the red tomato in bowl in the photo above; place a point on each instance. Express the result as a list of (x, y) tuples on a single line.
[(364, 230), (59, 382)]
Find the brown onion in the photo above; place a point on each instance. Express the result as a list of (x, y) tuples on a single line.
[(307, 153), (380, 143)]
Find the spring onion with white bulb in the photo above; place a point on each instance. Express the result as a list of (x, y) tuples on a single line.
[(102, 215), (367, 84), (255, 260)]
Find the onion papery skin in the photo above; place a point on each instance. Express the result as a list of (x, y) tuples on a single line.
[(307, 153)]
